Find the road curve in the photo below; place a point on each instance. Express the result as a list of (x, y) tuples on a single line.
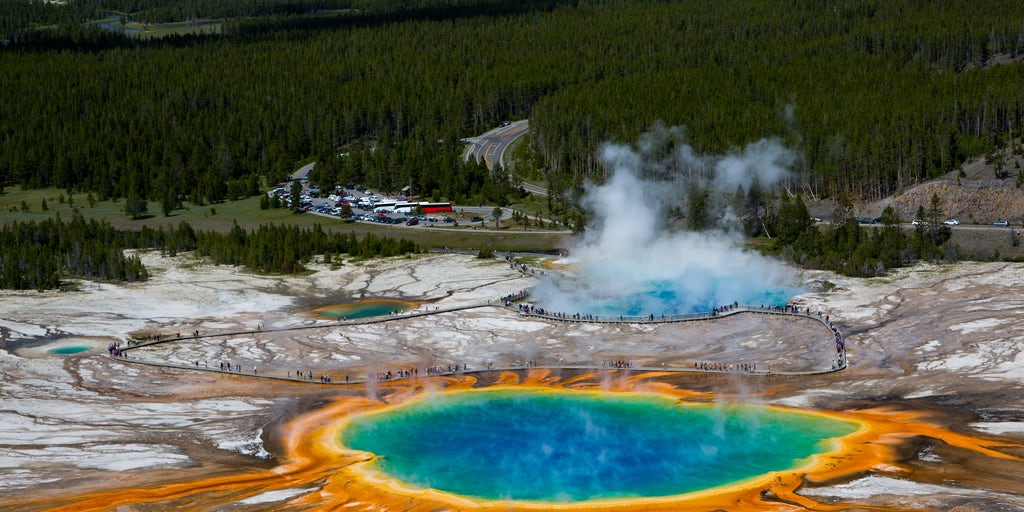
[(490, 147)]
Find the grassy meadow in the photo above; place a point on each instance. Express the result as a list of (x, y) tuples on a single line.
[(247, 213)]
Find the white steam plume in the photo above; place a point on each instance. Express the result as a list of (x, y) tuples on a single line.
[(631, 261)]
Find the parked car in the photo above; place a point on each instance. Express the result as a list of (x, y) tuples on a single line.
[(449, 219), (476, 219), (412, 222), (951, 222), (1000, 224), (919, 222)]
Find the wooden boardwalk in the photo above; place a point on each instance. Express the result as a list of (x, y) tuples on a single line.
[(125, 352)]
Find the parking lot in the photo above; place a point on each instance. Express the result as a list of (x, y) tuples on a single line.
[(369, 206)]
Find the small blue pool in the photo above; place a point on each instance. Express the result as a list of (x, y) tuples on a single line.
[(69, 349)]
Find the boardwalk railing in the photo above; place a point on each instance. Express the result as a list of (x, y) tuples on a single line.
[(652, 318), (513, 304)]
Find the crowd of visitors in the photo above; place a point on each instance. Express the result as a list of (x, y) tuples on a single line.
[(619, 364), (708, 366), (114, 349), (514, 263), (840, 361), (516, 298), (403, 373)]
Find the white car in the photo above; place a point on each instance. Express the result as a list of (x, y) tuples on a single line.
[(919, 222), (951, 222)]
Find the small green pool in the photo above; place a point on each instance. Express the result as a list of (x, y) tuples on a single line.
[(366, 308), (69, 349)]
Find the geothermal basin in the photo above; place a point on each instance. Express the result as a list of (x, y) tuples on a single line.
[(935, 376)]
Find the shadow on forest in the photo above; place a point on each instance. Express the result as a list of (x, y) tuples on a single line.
[(295, 27)]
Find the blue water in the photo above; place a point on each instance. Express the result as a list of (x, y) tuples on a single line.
[(365, 309), (694, 292), (69, 349), (571, 446), (666, 298)]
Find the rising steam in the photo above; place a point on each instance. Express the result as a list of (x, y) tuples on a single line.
[(634, 258)]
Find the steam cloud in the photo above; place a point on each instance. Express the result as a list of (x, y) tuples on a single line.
[(631, 261)]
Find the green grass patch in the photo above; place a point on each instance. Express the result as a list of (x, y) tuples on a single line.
[(158, 30), (529, 261), (145, 30), (220, 217), (533, 205)]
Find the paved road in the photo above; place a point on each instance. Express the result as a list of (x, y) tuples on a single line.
[(534, 189), (983, 227), (303, 172), (970, 227), (491, 146)]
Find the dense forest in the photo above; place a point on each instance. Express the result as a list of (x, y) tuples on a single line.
[(874, 95), (39, 255)]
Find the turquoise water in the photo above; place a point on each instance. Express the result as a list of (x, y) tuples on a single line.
[(365, 309), (664, 297), (693, 292), (69, 349), (566, 446)]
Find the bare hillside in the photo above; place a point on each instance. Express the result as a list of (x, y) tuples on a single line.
[(977, 197)]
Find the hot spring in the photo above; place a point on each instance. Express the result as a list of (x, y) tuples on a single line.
[(559, 444), (571, 446), (69, 349), (366, 308), (656, 297)]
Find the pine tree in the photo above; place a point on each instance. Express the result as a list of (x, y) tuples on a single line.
[(296, 195), (135, 205)]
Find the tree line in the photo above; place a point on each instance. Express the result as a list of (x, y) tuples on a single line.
[(20, 18), (874, 95), (846, 247), (39, 255), (269, 248)]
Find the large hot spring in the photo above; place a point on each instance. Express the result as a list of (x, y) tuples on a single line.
[(692, 292), (571, 446)]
